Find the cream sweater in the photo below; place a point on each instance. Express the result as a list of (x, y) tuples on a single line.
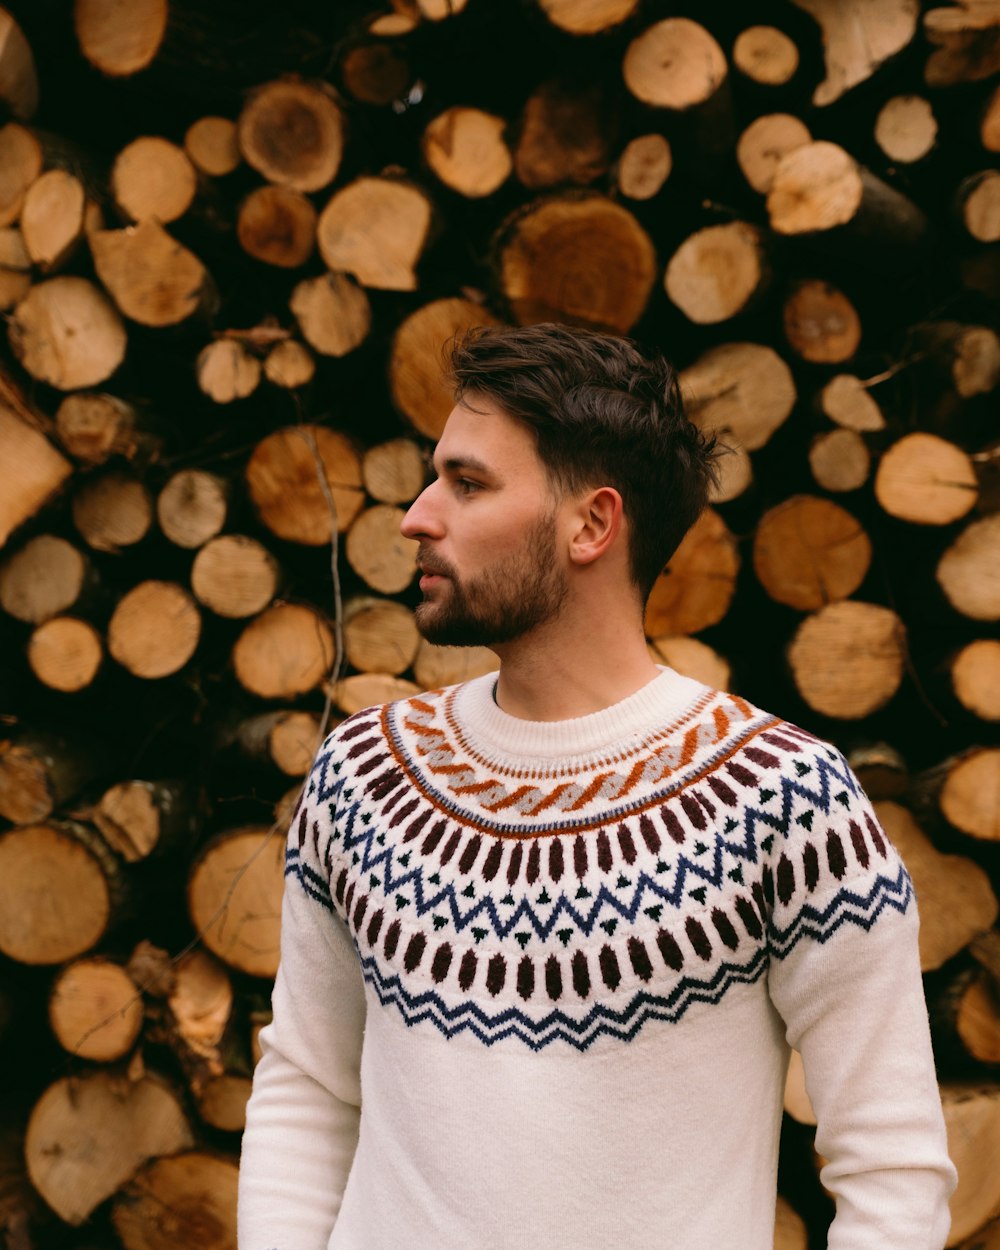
[(539, 983)]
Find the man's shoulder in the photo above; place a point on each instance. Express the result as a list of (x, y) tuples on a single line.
[(378, 718)]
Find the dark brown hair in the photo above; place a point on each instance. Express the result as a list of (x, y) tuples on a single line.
[(604, 414)]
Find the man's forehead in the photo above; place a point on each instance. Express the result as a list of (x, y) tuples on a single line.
[(485, 434)]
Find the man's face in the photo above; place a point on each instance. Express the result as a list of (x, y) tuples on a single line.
[(488, 533)]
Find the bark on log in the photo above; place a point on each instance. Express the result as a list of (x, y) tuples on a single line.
[(52, 218), (697, 587), (154, 629), (969, 571), (847, 401), (292, 132), (188, 1199), (67, 333), (972, 1119), (211, 146), (954, 894), (93, 427), (967, 355), (967, 1014), (286, 487), (117, 48), (744, 389), (15, 268), (881, 770), (978, 200), (234, 898), (196, 1018), (31, 470), (61, 890), (45, 578), (112, 510), (858, 39), (465, 148), (674, 64), (380, 636), (418, 378), (21, 161), (152, 278), (436, 666), (967, 39), (284, 652), (137, 818), (287, 740), (717, 272), (235, 576), (975, 678), (566, 135), (374, 72), (821, 324), (926, 480), (692, 658), (289, 365), (969, 796), (847, 659), (809, 552), (765, 55), (580, 259), (65, 653), (277, 225), (95, 1009), (906, 128), (333, 313), (88, 1135), (393, 472), (839, 460), (38, 772), (376, 229), (378, 552), (587, 17), (152, 177), (191, 507), (644, 166), (765, 142)]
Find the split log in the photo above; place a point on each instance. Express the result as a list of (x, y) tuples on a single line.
[(196, 1018), (975, 678), (211, 146), (978, 200), (967, 1013), (187, 1199), (52, 218), (674, 64), (766, 56), (112, 510), (292, 132), (418, 379), (87, 1135), (696, 589), (374, 72), (333, 313), (284, 652), (289, 365), (152, 278), (380, 636), (21, 162), (954, 894), (588, 18), (118, 49), (67, 333), (466, 150), (352, 694), (717, 272), (15, 267), (234, 898), (744, 389), (294, 474), (191, 507), (65, 653), (566, 135), (95, 1009), (45, 578), (376, 229), (858, 40), (38, 772), (839, 460), (809, 552), (277, 225), (881, 770), (226, 371), (927, 480), (967, 41), (847, 659), (18, 76), (644, 166), (393, 472), (820, 187), (93, 427), (31, 470), (152, 177), (972, 1120), (906, 128), (378, 552), (235, 576), (154, 629), (136, 818), (286, 739), (968, 797), (821, 324), (969, 571), (692, 658), (61, 891), (847, 401), (436, 666), (765, 142)]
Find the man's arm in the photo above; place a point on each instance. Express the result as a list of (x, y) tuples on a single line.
[(303, 1115), (845, 977)]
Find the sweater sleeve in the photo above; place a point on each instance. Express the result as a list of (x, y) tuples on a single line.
[(845, 977), (303, 1115)]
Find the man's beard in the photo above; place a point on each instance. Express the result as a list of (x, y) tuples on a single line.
[(507, 601)]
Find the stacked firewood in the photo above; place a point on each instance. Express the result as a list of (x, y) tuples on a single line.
[(230, 268)]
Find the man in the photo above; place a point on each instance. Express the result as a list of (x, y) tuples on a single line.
[(548, 935)]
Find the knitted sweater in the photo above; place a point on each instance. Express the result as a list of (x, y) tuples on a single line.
[(539, 981)]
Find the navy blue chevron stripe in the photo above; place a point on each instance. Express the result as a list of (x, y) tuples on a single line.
[(313, 883), (846, 907)]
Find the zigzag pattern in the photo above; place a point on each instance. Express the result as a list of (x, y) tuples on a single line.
[(846, 908)]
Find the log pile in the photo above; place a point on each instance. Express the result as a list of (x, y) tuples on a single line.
[(229, 270)]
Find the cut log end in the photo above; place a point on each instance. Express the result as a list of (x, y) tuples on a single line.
[(975, 678), (191, 507), (809, 552), (697, 588), (154, 629), (96, 1010), (235, 576), (292, 133), (466, 149), (283, 653), (211, 145), (65, 654), (674, 64), (839, 460), (152, 177), (234, 899), (847, 659), (766, 55), (926, 480), (716, 272)]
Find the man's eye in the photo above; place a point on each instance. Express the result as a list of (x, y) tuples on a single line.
[(466, 486)]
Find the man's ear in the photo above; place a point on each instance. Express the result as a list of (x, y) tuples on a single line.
[(598, 519)]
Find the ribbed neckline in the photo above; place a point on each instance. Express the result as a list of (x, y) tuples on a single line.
[(607, 732)]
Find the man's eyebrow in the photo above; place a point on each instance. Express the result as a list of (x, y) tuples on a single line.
[(455, 464)]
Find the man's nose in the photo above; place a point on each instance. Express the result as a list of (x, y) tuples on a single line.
[(421, 520)]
